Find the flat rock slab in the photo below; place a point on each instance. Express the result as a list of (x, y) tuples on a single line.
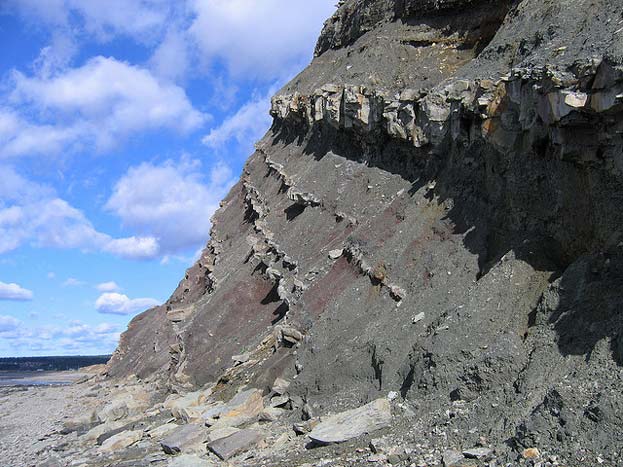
[(221, 433), (184, 438), (120, 441), (243, 407), (190, 461), (477, 453), (232, 445), (353, 423)]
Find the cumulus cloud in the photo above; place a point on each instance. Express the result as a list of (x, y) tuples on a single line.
[(246, 126), (19, 136), (119, 304), (170, 201), (8, 324), (242, 33), (108, 287), (75, 336), (103, 19), (14, 292), (32, 213), (73, 282), (172, 56), (98, 103)]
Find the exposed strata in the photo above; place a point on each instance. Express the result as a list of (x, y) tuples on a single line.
[(435, 214)]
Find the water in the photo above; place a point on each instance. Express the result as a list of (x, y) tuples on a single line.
[(45, 371)]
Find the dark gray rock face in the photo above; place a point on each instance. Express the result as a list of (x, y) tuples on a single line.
[(436, 211)]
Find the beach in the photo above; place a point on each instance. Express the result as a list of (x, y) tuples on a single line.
[(32, 413)]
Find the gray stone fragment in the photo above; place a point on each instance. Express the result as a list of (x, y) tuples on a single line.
[(186, 437), (452, 458), (280, 386), (230, 446), (419, 317), (189, 461), (279, 401), (335, 254), (120, 441), (477, 453), (353, 423)]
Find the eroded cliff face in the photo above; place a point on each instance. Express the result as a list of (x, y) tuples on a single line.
[(436, 211)]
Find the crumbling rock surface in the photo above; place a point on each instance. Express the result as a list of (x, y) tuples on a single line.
[(436, 211)]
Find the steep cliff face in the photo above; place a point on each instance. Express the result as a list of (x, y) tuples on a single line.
[(436, 210)]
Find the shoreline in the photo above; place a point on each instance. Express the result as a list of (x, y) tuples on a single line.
[(40, 378)]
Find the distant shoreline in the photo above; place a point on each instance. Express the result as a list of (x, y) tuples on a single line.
[(50, 363), (39, 378)]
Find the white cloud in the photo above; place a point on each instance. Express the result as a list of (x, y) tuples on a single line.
[(245, 127), (108, 287), (170, 201), (136, 18), (56, 56), (133, 247), (16, 338), (98, 103), (119, 304), (258, 38), (19, 137), (32, 213), (265, 39), (8, 324), (14, 292), (104, 19), (73, 282), (171, 58)]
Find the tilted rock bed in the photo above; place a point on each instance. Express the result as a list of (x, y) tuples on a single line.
[(436, 214)]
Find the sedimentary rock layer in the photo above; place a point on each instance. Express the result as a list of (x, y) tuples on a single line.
[(435, 211)]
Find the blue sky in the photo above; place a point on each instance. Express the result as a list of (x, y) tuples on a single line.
[(123, 123)]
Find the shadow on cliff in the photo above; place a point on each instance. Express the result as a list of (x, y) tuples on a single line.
[(589, 305), (550, 212)]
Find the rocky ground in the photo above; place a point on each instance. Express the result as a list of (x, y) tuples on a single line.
[(100, 423), (422, 263)]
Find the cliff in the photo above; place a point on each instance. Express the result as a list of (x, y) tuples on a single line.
[(436, 211)]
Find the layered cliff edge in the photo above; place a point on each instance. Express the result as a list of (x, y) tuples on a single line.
[(436, 211)]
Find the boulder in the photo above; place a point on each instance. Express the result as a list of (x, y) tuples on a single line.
[(190, 461), (280, 386), (335, 254), (221, 433), (242, 408), (452, 458), (94, 433), (353, 423), (176, 403), (279, 401), (477, 453), (271, 414), (162, 430), (80, 423), (132, 401), (186, 438), (232, 445), (120, 441)]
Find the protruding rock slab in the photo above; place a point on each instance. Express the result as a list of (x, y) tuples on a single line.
[(190, 461), (241, 441), (244, 407), (185, 438), (477, 453), (120, 441), (353, 423), (162, 430)]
